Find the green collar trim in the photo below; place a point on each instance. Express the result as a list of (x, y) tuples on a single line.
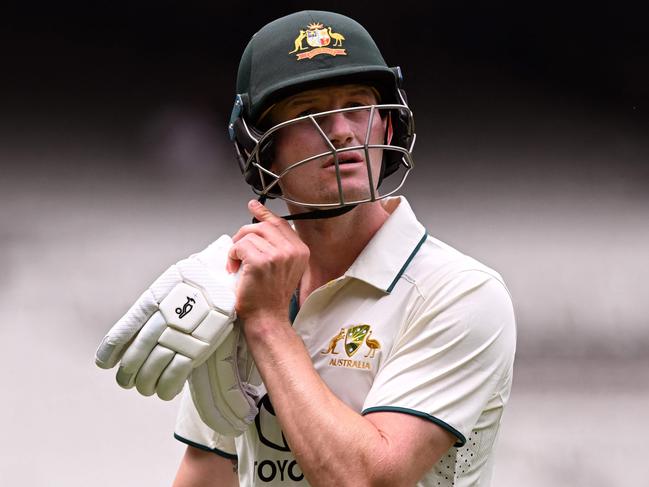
[(407, 262)]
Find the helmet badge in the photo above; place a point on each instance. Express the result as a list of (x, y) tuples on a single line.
[(318, 38)]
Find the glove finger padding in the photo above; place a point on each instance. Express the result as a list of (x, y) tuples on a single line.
[(221, 389), (151, 370), (139, 349), (175, 325), (112, 346)]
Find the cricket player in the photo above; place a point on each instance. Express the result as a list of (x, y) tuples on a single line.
[(367, 351)]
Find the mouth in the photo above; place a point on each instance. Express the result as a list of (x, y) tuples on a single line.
[(344, 158)]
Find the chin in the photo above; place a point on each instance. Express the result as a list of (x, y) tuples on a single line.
[(354, 188)]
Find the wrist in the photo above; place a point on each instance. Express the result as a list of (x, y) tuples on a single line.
[(264, 325)]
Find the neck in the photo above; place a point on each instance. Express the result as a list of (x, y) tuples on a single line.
[(336, 242)]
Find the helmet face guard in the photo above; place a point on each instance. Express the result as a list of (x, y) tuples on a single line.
[(311, 50), (256, 154)]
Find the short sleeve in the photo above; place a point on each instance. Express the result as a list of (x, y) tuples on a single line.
[(453, 357), (191, 429)]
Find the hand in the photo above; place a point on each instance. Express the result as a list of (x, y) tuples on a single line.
[(174, 326), (270, 259)]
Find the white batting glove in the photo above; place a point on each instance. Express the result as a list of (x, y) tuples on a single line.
[(175, 325), (225, 388)]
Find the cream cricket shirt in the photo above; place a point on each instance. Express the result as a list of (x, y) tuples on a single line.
[(414, 327)]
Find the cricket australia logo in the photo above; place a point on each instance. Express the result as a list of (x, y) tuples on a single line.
[(187, 307), (317, 38), (354, 336)]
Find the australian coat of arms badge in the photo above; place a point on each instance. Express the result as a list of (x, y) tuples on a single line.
[(316, 39)]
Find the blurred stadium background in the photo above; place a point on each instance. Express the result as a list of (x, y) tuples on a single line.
[(532, 156)]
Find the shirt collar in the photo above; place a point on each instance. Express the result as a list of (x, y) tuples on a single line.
[(390, 250)]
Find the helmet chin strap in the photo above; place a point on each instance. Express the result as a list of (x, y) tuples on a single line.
[(311, 215)]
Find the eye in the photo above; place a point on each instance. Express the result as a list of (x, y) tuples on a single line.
[(356, 103), (308, 111), (361, 100)]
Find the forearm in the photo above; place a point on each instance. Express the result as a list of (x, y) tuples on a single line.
[(333, 444)]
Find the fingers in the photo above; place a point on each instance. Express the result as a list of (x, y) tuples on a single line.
[(262, 213), (139, 350), (249, 248), (173, 377), (269, 226), (112, 346), (266, 230), (272, 229), (194, 351), (147, 378), (156, 351), (142, 362)]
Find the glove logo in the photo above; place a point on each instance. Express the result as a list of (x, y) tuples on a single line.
[(187, 307), (318, 38)]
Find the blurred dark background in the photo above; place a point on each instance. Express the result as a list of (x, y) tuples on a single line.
[(102, 71)]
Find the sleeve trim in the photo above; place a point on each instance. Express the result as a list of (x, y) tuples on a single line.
[(221, 453), (461, 440)]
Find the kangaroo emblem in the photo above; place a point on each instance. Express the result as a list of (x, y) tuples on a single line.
[(333, 342), (187, 307), (298, 42)]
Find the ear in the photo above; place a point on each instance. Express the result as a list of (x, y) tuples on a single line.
[(389, 132)]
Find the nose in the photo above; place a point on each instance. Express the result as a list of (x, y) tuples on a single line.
[(338, 129)]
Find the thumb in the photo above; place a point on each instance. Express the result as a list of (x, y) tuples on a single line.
[(260, 212), (112, 347)]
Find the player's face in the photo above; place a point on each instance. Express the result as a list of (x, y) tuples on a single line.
[(316, 181)]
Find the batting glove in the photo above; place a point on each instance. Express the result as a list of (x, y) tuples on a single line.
[(225, 388), (174, 326)]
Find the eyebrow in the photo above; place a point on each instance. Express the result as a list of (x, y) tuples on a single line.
[(305, 100), (300, 101)]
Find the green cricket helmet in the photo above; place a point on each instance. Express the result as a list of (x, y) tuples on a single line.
[(307, 50)]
